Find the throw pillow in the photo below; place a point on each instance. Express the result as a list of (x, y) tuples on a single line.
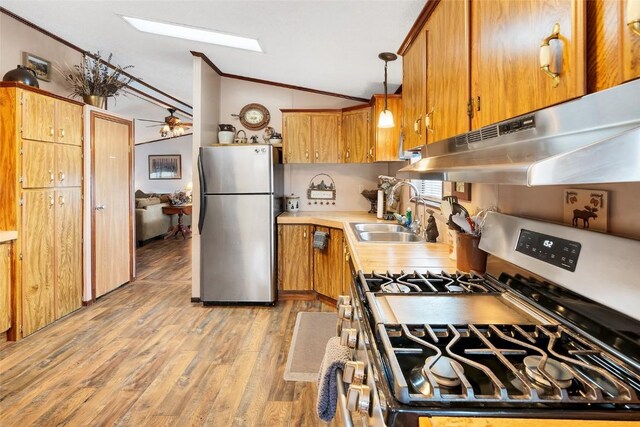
[(143, 203), (141, 194)]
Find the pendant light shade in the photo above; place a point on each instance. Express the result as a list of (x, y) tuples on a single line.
[(385, 120)]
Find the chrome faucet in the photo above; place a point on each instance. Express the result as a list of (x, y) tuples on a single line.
[(415, 223)]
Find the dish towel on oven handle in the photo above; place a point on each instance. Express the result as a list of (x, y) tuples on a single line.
[(335, 357)]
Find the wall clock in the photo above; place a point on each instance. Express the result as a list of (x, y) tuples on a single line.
[(254, 116)]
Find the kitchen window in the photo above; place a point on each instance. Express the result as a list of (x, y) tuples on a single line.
[(430, 190)]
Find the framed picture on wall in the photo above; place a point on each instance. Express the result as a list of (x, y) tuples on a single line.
[(165, 166), (462, 190), (41, 66)]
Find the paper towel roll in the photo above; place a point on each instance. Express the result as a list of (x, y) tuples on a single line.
[(380, 211)]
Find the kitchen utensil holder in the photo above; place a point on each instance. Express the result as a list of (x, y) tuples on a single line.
[(469, 257)]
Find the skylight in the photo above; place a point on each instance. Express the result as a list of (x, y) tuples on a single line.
[(192, 33)]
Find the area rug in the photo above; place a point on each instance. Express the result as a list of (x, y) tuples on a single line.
[(310, 336)]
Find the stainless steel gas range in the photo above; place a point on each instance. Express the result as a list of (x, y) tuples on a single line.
[(551, 331)]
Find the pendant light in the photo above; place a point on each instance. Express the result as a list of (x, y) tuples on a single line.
[(385, 120)]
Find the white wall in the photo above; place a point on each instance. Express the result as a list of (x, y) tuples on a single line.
[(16, 38), (206, 111), (183, 146), (235, 94), (350, 180)]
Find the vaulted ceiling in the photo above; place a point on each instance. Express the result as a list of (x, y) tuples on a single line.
[(329, 45)]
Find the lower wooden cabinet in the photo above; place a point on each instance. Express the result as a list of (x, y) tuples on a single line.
[(5, 286), (295, 271), (346, 268), (302, 268), (327, 265), (51, 256)]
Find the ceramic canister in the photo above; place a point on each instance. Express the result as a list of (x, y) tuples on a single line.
[(293, 203)]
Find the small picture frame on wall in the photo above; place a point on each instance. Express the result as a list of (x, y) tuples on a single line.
[(41, 66), (462, 190), (165, 166)]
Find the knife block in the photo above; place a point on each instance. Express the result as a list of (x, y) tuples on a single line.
[(469, 257)]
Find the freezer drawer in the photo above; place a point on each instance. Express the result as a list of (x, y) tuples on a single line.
[(237, 249), (237, 169)]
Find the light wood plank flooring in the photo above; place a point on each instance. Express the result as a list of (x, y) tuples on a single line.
[(144, 355)]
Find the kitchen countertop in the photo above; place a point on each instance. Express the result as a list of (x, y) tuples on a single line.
[(6, 236), (381, 256)]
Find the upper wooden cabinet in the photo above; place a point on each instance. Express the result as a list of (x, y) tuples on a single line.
[(385, 141), (506, 77), (613, 49), (356, 135), (447, 50), (311, 137), (413, 92), (51, 120), (325, 137)]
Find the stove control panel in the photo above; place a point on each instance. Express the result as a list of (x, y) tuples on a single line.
[(553, 250)]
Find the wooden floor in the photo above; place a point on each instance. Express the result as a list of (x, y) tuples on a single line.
[(144, 355)]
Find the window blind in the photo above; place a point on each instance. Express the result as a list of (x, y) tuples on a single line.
[(429, 189)]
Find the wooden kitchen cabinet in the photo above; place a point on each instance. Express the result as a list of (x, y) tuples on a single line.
[(296, 137), (38, 260), (356, 135), (325, 137), (613, 49), (42, 199), (346, 268), (68, 251), (385, 141), (327, 265), (447, 71), (311, 136), (506, 78), (5, 286), (413, 92), (295, 268), (45, 118)]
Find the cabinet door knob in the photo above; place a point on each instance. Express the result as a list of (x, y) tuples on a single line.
[(428, 121), (306, 154), (317, 155), (51, 178), (51, 202), (100, 207), (304, 234), (546, 56), (51, 131), (61, 200), (61, 133), (61, 176), (347, 154)]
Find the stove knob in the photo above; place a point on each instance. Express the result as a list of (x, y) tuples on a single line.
[(354, 372), (358, 399), (345, 311), (343, 299), (349, 337)]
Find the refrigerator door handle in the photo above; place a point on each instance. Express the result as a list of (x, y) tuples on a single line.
[(203, 199)]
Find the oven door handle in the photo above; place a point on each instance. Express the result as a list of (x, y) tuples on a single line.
[(342, 401)]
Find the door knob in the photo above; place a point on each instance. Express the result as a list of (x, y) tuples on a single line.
[(100, 207)]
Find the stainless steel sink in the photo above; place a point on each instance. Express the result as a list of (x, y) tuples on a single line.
[(389, 236), (380, 232), (379, 227)]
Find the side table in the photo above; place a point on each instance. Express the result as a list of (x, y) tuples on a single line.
[(180, 210)]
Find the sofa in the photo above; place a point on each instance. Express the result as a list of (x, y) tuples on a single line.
[(150, 221)]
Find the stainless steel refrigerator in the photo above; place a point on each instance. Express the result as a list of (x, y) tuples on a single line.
[(241, 194)]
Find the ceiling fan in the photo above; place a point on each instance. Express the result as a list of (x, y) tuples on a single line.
[(171, 124)]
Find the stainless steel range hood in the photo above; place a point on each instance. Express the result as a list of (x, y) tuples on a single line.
[(593, 139)]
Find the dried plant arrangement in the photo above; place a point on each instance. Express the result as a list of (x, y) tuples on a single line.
[(96, 76)]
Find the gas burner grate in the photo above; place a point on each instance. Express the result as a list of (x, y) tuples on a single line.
[(426, 283), (511, 364)]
